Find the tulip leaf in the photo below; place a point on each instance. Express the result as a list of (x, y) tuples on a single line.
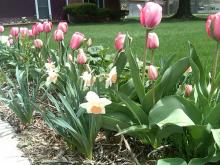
[(135, 74), (120, 63), (174, 110), (216, 136), (134, 129), (171, 161), (214, 116), (134, 108), (166, 84)]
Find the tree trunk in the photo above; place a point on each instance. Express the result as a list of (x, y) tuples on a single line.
[(184, 10)]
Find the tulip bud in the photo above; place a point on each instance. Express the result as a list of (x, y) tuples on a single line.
[(24, 31), (81, 57), (188, 90), (63, 26), (150, 14), (70, 57), (34, 30), (119, 41), (58, 35), (14, 31), (216, 25), (76, 40), (208, 25), (30, 33), (47, 27), (1, 29), (40, 27), (38, 43), (152, 41), (152, 72)]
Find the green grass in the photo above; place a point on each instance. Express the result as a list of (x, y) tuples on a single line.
[(173, 36)]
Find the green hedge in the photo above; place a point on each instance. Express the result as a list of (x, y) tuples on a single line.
[(87, 12)]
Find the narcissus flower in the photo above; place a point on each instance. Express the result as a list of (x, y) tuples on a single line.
[(95, 104), (112, 77), (88, 79), (52, 77), (50, 66)]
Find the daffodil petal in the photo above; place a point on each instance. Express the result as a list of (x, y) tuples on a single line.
[(105, 101), (85, 105), (92, 97)]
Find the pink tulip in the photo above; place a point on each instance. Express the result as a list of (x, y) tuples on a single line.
[(47, 26), (188, 89), (76, 40), (1, 29), (119, 41), (150, 14), (38, 43), (70, 57), (30, 33), (24, 31), (40, 27), (81, 57), (208, 24), (34, 30), (152, 41), (14, 31), (216, 25), (63, 26), (58, 35), (152, 72)]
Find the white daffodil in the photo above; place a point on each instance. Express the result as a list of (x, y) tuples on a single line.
[(50, 66), (88, 79), (95, 104), (52, 77), (112, 77)]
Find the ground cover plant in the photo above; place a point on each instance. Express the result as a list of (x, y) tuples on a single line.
[(157, 100)]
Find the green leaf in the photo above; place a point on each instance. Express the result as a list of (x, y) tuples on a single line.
[(134, 129), (128, 89), (166, 84), (120, 63), (216, 136), (134, 108), (135, 74), (171, 161), (174, 110), (214, 116)]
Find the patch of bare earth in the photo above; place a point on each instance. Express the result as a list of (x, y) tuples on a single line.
[(42, 146)]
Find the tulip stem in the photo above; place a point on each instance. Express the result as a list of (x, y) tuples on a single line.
[(153, 92), (215, 64), (145, 57), (152, 56)]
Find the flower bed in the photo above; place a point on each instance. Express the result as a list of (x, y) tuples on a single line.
[(82, 93)]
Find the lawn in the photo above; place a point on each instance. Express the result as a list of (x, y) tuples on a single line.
[(173, 36)]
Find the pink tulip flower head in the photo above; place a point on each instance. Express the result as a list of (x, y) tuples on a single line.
[(58, 35), (1, 29), (208, 25), (152, 41), (14, 31), (150, 14), (152, 72), (47, 26), (24, 31), (38, 43), (188, 90), (40, 27), (81, 57), (119, 41), (76, 40), (63, 26), (34, 30), (30, 33), (216, 25)]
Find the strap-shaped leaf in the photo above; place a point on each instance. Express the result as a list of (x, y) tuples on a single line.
[(174, 110), (135, 74), (216, 136), (171, 161)]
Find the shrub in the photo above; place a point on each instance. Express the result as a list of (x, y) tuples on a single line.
[(87, 12)]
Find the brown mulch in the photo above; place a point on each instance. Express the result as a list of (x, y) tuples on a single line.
[(42, 146)]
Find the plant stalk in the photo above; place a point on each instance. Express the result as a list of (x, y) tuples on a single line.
[(215, 65), (145, 57)]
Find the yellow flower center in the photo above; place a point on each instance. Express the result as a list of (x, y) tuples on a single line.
[(96, 109)]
